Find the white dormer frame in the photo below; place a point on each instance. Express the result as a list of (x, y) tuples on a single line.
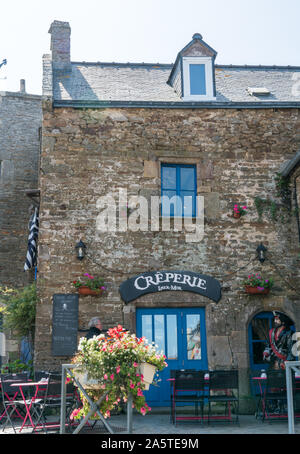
[(209, 79)]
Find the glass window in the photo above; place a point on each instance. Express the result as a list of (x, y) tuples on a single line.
[(197, 80), (178, 190), (193, 336), (147, 327), (172, 337), (159, 332)]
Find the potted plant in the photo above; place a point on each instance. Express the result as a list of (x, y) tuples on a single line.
[(256, 284), (90, 285), (239, 211), (112, 365)]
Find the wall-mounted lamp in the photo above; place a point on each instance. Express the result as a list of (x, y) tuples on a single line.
[(80, 248), (261, 249)]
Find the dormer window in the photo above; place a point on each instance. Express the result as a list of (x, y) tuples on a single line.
[(192, 75), (198, 83)]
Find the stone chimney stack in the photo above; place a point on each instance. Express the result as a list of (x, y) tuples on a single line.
[(22, 86), (60, 45)]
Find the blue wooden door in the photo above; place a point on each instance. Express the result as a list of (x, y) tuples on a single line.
[(180, 334)]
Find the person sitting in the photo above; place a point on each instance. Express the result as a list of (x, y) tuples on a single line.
[(95, 328)]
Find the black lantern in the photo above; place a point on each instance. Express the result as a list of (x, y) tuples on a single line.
[(261, 249), (80, 248)]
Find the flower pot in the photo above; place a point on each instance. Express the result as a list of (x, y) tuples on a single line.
[(148, 371), (236, 215), (83, 290), (256, 291)]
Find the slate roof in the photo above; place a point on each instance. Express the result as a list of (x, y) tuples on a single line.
[(147, 83)]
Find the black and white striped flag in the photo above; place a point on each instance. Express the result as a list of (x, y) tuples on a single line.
[(32, 240)]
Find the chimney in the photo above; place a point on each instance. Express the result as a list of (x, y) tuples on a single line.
[(60, 45), (22, 86)]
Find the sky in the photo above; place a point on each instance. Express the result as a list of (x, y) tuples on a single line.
[(249, 32)]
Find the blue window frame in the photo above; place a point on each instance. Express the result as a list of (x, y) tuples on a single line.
[(178, 190), (197, 79)]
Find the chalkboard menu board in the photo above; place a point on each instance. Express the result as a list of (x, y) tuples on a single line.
[(64, 324)]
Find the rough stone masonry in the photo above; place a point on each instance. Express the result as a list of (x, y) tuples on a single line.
[(90, 152)]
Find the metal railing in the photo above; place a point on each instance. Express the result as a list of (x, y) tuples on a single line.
[(291, 366), (94, 406)]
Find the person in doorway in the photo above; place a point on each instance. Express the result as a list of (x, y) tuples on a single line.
[(280, 342), (95, 328)]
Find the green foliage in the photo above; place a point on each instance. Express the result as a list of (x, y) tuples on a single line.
[(16, 366), (19, 310), (276, 211), (94, 283), (256, 280), (283, 188)]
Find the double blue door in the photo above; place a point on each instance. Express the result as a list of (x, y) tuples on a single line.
[(180, 334)]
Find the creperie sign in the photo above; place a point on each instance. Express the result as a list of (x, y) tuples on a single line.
[(143, 282), (160, 281)]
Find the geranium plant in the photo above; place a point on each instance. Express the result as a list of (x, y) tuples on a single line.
[(94, 283), (259, 282), (113, 362), (239, 210)]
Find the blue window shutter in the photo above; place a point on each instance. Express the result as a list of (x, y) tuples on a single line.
[(197, 79)]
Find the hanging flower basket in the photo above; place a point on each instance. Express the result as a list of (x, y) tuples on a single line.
[(83, 290), (112, 364), (256, 284), (148, 372), (90, 285), (256, 290)]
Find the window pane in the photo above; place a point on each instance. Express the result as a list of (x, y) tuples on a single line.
[(258, 348), (159, 332), (197, 80), (171, 204), (187, 179), (193, 336), (188, 201), (260, 329), (147, 327), (168, 177), (172, 336)]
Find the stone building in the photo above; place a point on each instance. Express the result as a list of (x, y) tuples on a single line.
[(20, 128), (217, 134)]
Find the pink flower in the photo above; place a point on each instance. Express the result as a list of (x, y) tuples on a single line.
[(143, 411), (140, 392), (105, 376), (118, 368), (135, 364), (112, 377), (131, 385)]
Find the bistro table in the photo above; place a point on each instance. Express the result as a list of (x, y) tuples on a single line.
[(28, 402), (11, 398), (261, 381)]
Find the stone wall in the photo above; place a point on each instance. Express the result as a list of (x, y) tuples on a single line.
[(20, 123), (89, 153)]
